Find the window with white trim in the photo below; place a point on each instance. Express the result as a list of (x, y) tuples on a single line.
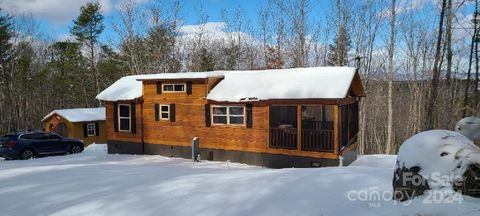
[(228, 115), (164, 112), (91, 130), (179, 87), (124, 117)]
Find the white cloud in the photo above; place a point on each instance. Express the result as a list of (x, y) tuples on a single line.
[(214, 31), (406, 6), (55, 11), (121, 3), (463, 28), (65, 37)]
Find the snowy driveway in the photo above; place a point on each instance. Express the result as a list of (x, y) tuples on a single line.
[(94, 183)]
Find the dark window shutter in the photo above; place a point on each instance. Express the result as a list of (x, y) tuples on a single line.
[(85, 133), (172, 112), (97, 129), (159, 88), (134, 120), (115, 116), (157, 111), (189, 87), (249, 116), (207, 115)]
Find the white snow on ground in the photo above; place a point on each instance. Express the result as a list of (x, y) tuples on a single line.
[(94, 183), (79, 114), (377, 160)]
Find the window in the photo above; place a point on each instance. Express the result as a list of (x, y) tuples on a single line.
[(31, 136), (164, 112), (91, 129), (228, 115), (51, 136), (173, 87), (124, 118)]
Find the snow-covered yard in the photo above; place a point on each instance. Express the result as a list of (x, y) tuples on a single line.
[(94, 183)]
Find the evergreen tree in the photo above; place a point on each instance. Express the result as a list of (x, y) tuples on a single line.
[(338, 51), (6, 33), (87, 28), (160, 47), (206, 60), (66, 65)]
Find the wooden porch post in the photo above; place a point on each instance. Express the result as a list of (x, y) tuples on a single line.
[(299, 127), (336, 121)]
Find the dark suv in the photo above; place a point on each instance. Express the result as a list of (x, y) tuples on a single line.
[(27, 145)]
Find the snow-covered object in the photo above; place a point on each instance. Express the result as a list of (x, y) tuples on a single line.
[(440, 157), (295, 83), (469, 127), (130, 87), (79, 114), (442, 151), (126, 88), (242, 86)]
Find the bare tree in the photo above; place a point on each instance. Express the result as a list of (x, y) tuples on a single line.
[(432, 102), (391, 50)]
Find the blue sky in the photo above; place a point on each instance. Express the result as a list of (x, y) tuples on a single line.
[(55, 16)]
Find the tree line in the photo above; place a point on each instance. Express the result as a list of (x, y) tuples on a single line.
[(413, 60)]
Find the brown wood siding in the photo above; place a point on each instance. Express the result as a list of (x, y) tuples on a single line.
[(123, 136), (190, 123), (75, 130)]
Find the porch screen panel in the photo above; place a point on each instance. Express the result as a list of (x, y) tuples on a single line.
[(317, 128), (343, 125), (283, 127), (352, 120)]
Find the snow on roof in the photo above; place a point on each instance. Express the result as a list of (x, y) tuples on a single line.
[(295, 83), (130, 87), (126, 88), (79, 114), (438, 151), (185, 75), (316, 82)]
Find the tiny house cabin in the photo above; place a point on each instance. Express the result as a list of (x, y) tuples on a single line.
[(87, 124), (302, 117)]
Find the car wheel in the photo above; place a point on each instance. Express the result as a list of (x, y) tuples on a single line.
[(27, 154), (75, 149)]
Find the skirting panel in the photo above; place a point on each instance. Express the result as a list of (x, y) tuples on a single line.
[(252, 158)]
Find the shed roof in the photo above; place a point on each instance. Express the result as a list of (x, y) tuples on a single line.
[(79, 114), (238, 86)]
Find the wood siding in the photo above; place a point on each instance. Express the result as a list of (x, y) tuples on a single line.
[(75, 130), (123, 136), (190, 122)]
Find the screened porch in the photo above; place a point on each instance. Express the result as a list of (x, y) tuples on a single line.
[(312, 127)]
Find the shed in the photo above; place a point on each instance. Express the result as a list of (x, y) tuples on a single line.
[(87, 124)]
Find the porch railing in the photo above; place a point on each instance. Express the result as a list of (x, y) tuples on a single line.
[(317, 140), (284, 138)]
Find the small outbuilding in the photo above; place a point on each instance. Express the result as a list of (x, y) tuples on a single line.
[(87, 124)]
